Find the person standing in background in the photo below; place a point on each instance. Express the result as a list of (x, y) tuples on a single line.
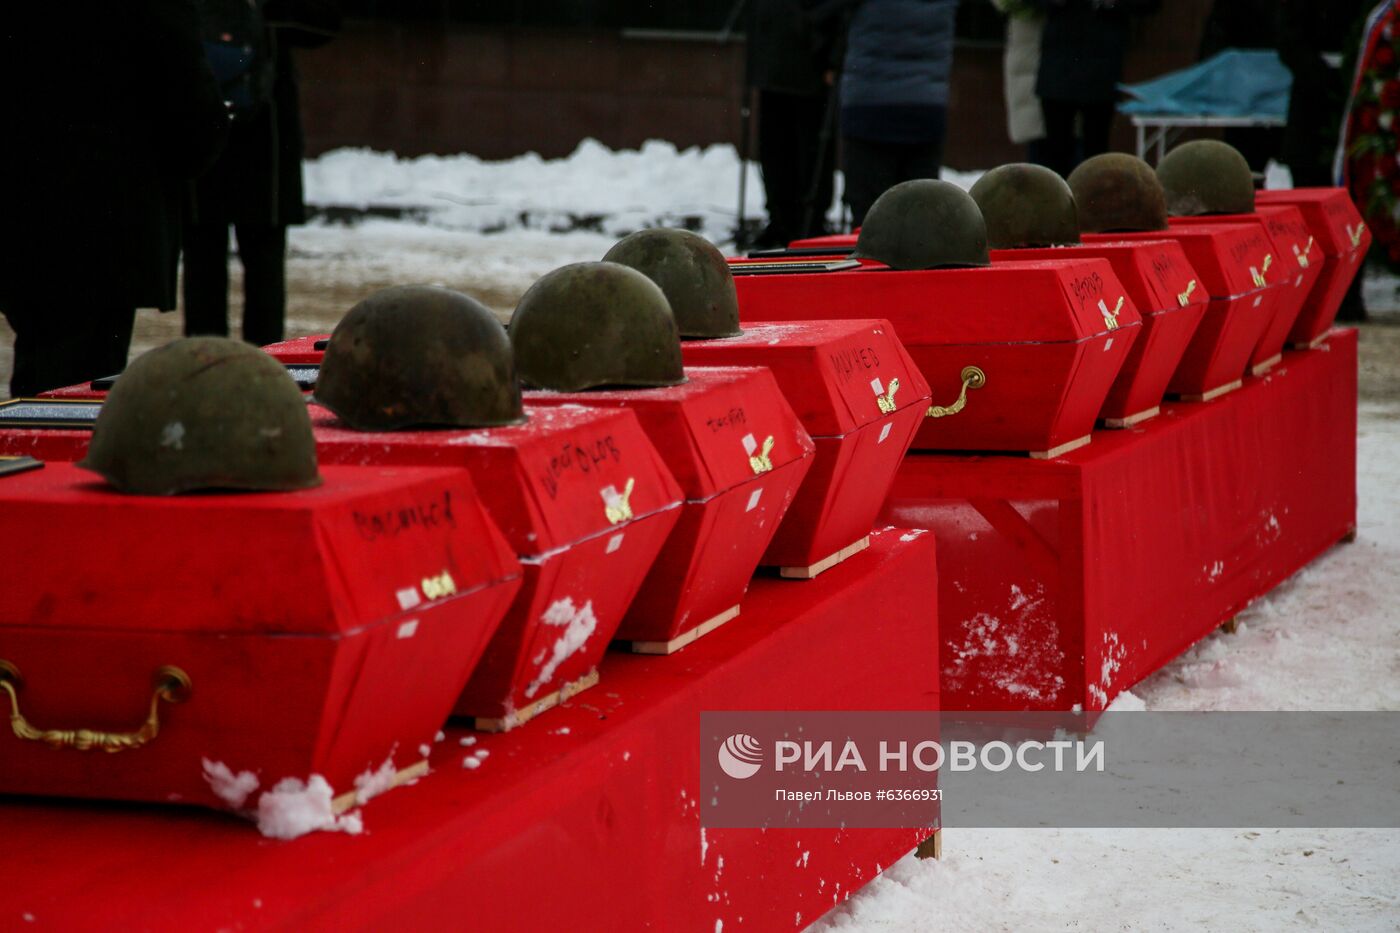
[(790, 63), (1081, 63), (109, 110), (894, 95), (1025, 122), (255, 187)]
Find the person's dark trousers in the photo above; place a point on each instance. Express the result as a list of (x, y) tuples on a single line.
[(262, 250), (57, 346), (1063, 148), (872, 167), (792, 157)]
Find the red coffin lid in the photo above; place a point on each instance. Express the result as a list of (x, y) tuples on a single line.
[(1044, 301), (363, 548), (1330, 214), (710, 427), (1293, 246), (547, 483), (297, 350), (1156, 273), (835, 374), (1222, 253)]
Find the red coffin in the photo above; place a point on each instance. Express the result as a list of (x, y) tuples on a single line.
[(325, 632), (307, 350), (1295, 264), (25, 430), (1229, 259), (1161, 282), (739, 454), (1342, 237), (586, 502), (858, 393), (1020, 356)]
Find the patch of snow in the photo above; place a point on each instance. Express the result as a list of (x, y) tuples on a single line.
[(579, 623), (232, 789), (371, 784), (294, 808)]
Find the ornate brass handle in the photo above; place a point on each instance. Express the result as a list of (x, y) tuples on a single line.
[(1110, 318), (171, 685), (886, 401), (972, 378)]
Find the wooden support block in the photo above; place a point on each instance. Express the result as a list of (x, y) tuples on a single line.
[(1131, 420), (1213, 393), (1261, 368), (932, 847), (1350, 536), (524, 715), (1312, 344), (684, 638), (826, 563), (1230, 626), (1064, 448), (349, 801)]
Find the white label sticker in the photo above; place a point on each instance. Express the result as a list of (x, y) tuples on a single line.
[(750, 445), (408, 629), (884, 432), (753, 500), (877, 385), (1108, 344), (408, 597), (1258, 300), (1298, 283), (614, 543)]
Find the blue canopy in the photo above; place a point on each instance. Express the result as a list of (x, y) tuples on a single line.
[(1232, 83)]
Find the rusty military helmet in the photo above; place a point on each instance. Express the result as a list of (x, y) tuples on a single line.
[(204, 413), (924, 224), (593, 324), (420, 355), (692, 274), (1026, 205), (1117, 191), (1206, 176)]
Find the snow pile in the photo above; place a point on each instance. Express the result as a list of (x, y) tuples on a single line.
[(578, 624), (596, 189), (294, 808), (232, 789)]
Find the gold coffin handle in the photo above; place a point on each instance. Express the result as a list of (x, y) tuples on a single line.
[(972, 378), (170, 684)]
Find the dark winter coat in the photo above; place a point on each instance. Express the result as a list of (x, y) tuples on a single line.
[(894, 83), (257, 179), (788, 52), (108, 110), (1082, 48)]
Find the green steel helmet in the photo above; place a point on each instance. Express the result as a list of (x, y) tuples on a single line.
[(693, 275), (1026, 205), (595, 324), (1117, 191), (1206, 176), (419, 355), (924, 224), (204, 413)]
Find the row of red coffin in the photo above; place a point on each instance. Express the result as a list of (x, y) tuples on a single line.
[(641, 515)]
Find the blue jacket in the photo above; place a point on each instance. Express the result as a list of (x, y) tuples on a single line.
[(894, 84)]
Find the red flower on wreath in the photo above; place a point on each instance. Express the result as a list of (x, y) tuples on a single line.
[(1385, 57), (1367, 120), (1390, 95)]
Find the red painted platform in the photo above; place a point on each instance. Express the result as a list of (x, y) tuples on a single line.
[(1067, 581), (590, 821)]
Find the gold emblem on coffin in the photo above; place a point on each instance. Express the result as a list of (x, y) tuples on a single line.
[(886, 400), (761, 462), (618, 506), (440, 586), (1355, 235), (171, 685), (1184, 298), (1302, 254), (1110, 318), (972, 378)]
